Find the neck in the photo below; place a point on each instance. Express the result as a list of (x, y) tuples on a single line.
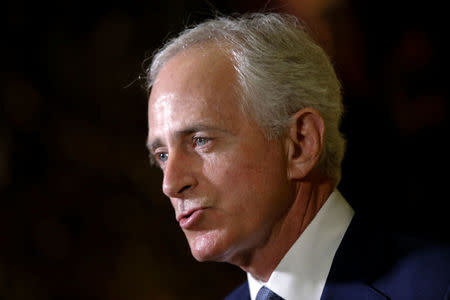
[(309, 198)]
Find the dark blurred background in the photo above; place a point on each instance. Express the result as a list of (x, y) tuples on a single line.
[(82, 215)]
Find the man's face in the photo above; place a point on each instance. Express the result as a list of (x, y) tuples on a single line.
[(227, 183)]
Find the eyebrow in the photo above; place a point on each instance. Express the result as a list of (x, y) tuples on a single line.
[(153, 145)]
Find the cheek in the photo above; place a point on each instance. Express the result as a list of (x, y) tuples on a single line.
[(232, 174), (245, 183)]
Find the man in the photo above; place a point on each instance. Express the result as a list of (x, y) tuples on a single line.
[(244, 118)]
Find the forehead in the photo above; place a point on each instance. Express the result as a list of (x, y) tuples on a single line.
[(196, 85)]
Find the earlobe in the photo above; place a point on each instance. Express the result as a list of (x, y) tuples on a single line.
[(304, 142)]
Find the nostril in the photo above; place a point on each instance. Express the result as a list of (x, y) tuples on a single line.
[(184, 188)]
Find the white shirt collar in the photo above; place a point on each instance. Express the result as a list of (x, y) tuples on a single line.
[(302, 272)]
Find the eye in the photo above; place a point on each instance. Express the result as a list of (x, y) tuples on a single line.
[(200, 141), (162, 157)]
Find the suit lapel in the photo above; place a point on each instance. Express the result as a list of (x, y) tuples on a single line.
[(351, 291), (356, 265), (241, 293)]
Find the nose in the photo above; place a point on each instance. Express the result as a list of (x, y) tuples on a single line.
[(179, 176)]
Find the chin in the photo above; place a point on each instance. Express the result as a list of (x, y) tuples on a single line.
[(208, 247)]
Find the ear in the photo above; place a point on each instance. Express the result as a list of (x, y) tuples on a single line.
[(304, 142)]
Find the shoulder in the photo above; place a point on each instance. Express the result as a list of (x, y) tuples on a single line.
[(240, 293), (394, 264), (416, 268)]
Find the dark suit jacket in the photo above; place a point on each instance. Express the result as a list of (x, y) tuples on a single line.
[(373, 264)]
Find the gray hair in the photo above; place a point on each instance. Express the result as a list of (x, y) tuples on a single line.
[(280, 71)]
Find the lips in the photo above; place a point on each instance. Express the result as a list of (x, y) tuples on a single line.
[(189, 218)]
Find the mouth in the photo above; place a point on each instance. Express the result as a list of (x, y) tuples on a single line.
[(189, 218)]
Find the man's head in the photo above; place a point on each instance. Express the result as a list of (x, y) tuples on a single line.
[(280, 70), (239, 113)]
